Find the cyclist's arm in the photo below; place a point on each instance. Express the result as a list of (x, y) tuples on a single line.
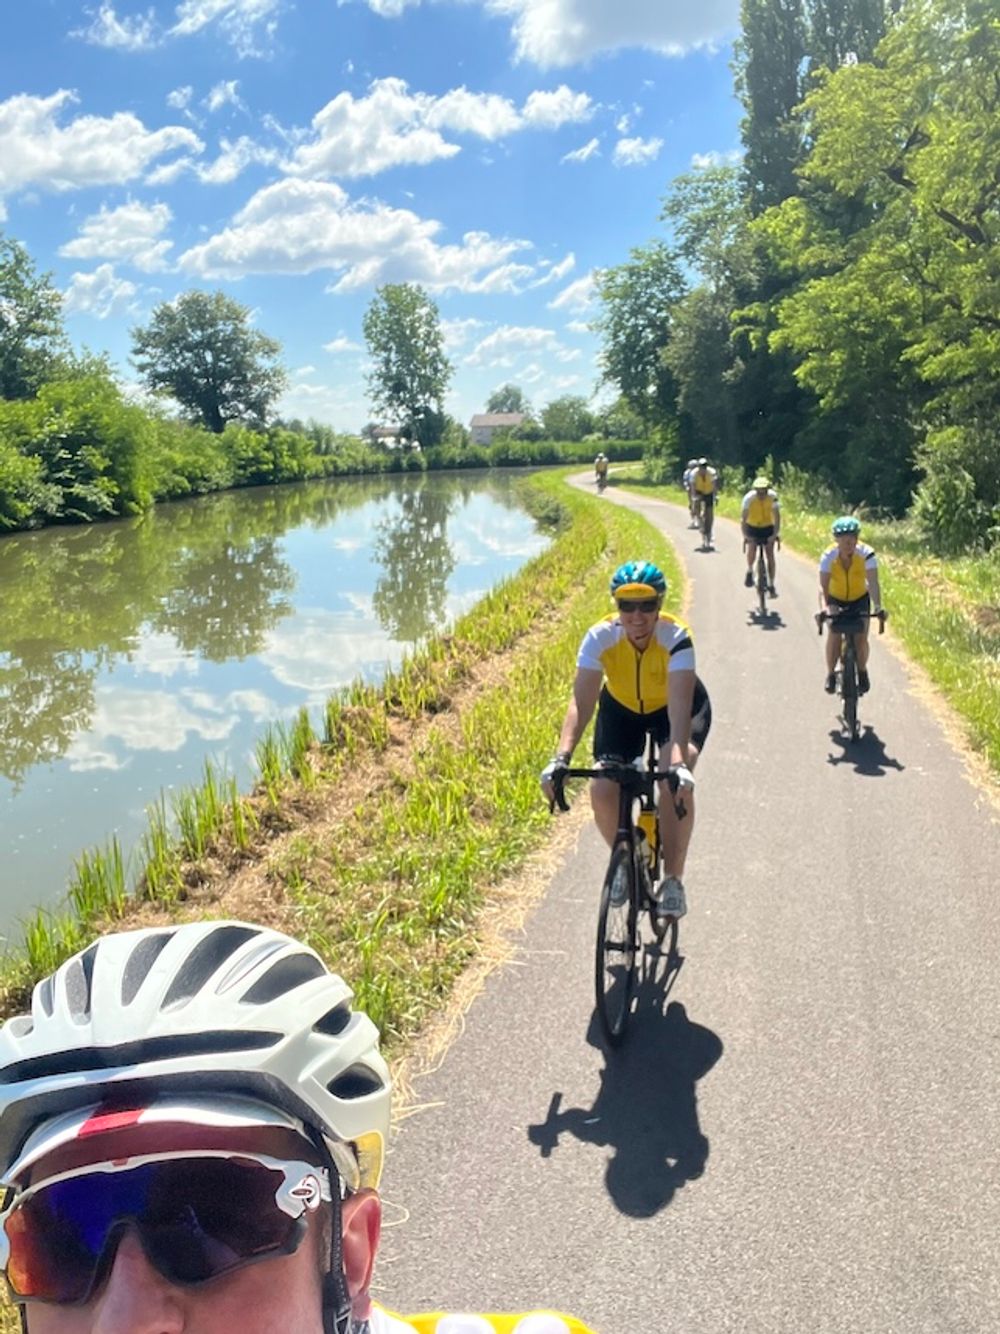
[(679, 713), (586, 691), (824, 583), (776, 511), (874, 589)]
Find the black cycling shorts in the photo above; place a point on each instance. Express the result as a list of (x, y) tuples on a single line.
[(619, 731), (760, 536), (850, 618)]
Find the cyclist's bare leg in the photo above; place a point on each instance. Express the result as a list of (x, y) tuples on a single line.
[(861, 647), (751, 553), (675, 832), (604, 804), (833, 643), (769, 555)]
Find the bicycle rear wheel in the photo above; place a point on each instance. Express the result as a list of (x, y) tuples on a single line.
[(614, 973)]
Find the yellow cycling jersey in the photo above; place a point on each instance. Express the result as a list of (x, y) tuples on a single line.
[(436, 1322), (847, 585), (704, 482), (638, 680), (759, 511)]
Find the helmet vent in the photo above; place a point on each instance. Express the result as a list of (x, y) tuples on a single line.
[(204, 960), (357, 1082), (45, 995), (140, 961), (147, 1052), (285, 975), (334, 1021), (79, 978)]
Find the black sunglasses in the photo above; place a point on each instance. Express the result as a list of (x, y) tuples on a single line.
[(638, 604), (197, 1219)]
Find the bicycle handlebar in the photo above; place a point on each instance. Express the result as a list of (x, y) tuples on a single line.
[(627, 775), (880, 615)]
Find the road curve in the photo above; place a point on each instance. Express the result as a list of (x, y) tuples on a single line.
[(803, 1135)]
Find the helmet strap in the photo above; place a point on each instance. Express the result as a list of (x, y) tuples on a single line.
[(337, 1317)]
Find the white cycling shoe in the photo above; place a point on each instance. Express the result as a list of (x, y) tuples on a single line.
[(671, 900)]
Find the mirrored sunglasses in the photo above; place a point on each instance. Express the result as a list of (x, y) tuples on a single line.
[(638, 604), (197, 1216)]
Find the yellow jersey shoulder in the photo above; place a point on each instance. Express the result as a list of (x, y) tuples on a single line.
[(439, 1322)]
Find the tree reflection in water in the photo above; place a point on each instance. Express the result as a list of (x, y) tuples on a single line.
[(412, 547)]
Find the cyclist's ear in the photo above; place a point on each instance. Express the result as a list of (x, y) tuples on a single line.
[(362, 1225)]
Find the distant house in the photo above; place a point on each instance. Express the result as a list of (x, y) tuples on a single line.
[(387, 435), (484, 425)]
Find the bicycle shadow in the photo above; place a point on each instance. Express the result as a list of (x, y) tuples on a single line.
[(867, 754), (768, 620), (646, 1109)]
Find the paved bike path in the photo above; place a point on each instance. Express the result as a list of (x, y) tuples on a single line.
[(808, 1138)]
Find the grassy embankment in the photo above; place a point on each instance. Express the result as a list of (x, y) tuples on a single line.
[(379, 842), (945, 613)]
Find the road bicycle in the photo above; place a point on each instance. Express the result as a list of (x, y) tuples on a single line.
[(760, 578), (630, 882), (706, 515), (847, 626)]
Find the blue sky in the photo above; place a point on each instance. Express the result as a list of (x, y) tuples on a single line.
[(295, 154)]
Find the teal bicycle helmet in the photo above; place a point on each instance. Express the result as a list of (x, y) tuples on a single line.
[(638, 579), (847, 523)]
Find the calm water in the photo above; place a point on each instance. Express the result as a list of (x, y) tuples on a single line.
[(133, 651)]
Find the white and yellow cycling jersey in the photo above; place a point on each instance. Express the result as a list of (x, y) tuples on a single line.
[(759, 511), (638, 680), (847, 585), (436, 1322)]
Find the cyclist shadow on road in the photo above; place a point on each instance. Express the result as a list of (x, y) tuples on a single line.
[(770, 620), (867, 754), (646, 1109)]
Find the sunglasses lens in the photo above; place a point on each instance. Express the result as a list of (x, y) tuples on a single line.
[(196, 1218), (632, 604)]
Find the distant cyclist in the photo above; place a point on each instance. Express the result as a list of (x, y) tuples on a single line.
[(849, 589), (705, 487), (193, 1120), (761, 522), (601, 469), (637, 668)]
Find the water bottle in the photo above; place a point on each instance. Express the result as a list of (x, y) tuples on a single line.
[(646, 824)]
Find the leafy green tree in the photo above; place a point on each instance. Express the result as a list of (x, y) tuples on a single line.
[(567, 418), (638, 300), (31, 329), (619, 421), (508, 398), (410, 372), (769, 59), (842, 31), (202, 351)]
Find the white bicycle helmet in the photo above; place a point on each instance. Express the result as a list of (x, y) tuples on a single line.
[(205, 1007)]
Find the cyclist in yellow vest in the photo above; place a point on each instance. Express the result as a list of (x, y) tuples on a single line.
[(637, 669), (761, 523), (849, 590), (704, 488), (192, 1127)]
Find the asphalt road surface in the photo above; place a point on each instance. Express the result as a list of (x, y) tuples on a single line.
[(803, 1134)]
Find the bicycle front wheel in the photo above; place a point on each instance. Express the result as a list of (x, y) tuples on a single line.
[(849, 687), (614, 973), (761, 590)]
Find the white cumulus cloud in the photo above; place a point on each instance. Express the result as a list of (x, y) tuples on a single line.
[(590, 149), (297, 226), (100, 293), (553, 33), (38, 151), (636, 152), (128, 234), (576, 297)]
